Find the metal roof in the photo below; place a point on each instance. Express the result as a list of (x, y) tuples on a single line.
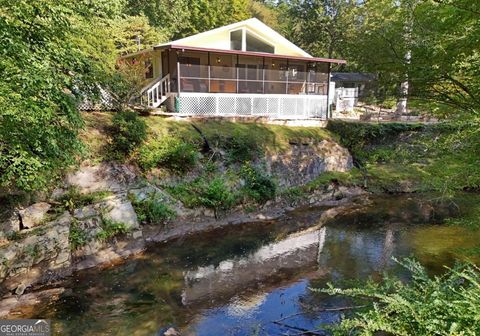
[(353, 77)]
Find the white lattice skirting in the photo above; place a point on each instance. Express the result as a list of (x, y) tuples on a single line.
[(275, 106)]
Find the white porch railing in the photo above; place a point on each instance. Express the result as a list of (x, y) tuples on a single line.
[(277, 106), (156, 92)]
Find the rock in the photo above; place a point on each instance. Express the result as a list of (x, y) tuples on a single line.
[(104, 177), (121, 210), (208, 213), (137, 234), (57, 193), (34, 214), (20, 289), (85, 212), (171, 332), (11, 224), (302, 164)]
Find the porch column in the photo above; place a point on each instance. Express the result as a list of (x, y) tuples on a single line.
[(263, 75), (286, 84), (236, 73), (178, 76), (209, 76), (328, 92)]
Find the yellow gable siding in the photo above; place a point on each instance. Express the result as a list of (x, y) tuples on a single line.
[(221, 40), (216, 40)]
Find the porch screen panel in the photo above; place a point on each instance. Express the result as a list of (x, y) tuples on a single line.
[(223, 73)]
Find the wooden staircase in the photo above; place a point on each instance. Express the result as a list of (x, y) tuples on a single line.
[(155, 93)]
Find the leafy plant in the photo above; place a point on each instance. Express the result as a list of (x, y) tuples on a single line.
[(214, 194), (152, 210), (169, 152), (111, 228), (77, 236), (74, 199), (128, 131), (241, 147), (258, 185), (443, 305)]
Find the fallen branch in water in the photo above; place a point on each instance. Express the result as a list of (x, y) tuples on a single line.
[(303, 330)]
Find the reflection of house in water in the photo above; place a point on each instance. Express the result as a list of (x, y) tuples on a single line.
[(297, 252), (357, 253)]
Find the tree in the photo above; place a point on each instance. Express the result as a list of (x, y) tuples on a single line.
[(182, 18), (133, 33), (322, 27), (52, 52)]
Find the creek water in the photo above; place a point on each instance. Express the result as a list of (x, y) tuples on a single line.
[(256, 279)]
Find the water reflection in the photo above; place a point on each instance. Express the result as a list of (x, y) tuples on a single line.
[(244, 280)]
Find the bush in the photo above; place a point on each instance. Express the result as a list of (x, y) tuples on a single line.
[(258, 185), (152, 210), (442, 305), (111, 228), (214, 194), (77, 236), (171, 153), (241, 148), (128, 131)]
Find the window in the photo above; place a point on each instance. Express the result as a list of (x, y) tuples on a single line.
[(255, 44), (236, 40)]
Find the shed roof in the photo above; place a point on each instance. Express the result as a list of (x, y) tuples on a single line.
[(353, 77)]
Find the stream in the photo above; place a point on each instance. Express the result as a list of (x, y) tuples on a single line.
[(256, 279)]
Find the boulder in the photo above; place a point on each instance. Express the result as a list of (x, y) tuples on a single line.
[(112, 177), (121, 210), (34, 214)]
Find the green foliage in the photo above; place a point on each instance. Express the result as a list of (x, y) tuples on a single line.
[(134, 33), (213, 193), (128, 131), (152, 210), (77, 236), (183, 18), (442, 305), (258, 185), (74, 199), (358, 136), (241, 147), (52, 53), (110, 229), (168, 152), (216, 195)]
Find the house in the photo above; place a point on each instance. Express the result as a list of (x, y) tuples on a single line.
[(242, 69), (350, 87)]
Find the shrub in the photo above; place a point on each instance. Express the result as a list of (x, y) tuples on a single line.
[(111, 228), (171, 153), (214, 194), (74, 199), (152, 210), (241, 148), (258, 185), (128, 131), (77, 236), (442, 305)]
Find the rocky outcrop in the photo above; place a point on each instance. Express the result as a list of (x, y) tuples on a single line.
[(47, 244), (114, 177), (38, 255), (305, 161)]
